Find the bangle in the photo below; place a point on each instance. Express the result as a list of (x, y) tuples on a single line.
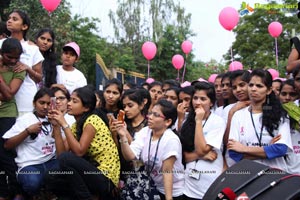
[(123, 141), (27, 131), (65, 126)]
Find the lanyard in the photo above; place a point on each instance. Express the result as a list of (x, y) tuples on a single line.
[(155, 155), (259, 137), (202, 130)]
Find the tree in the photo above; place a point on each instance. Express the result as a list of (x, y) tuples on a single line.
[(254, 47), (168, 26), (78, 29)]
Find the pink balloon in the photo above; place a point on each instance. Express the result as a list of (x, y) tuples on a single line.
[(229, 18), (274, 73), (212, 78), (186, 46), (178, 61), (202, 79), (275, 29), (185, 84), (50, 5), (149, 50), (235, 65), (150, 80)]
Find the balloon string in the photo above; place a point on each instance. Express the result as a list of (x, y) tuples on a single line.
[(184, 68), (148, 68), (231, 51), (231, 54), (178, 75), (276, 51)]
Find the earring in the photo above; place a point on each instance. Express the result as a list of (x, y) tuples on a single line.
[(268, 99)]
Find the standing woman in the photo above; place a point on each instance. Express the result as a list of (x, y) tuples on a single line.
[(10, 82), (287, 91), (45, 39), (293, 158), (18, 24), (202, 135), (261, 131), (88, 151), (135, 104), (159, 148), (155, 89), (112, 95)]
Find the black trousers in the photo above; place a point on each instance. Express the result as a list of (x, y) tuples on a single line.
[(8, 181), (81, 178)]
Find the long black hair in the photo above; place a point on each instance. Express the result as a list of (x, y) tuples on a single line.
[(88, 99), (272, 109), (50, 62), (187, 133)]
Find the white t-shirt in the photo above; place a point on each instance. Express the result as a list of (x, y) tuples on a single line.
[(218, 111), (70, 79), (31, 56), (169, 145), (226, 112), (243, 131), (213, 132), (32, 152), (293, 158)]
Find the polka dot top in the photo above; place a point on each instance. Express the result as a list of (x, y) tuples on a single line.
[(102, 149)]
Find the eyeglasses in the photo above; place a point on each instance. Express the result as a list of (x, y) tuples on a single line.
[(155, 114), (61, 98)]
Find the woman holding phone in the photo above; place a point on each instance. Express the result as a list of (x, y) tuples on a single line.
[(88, 151), (159, 148)]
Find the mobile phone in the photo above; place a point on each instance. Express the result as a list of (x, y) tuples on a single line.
[(121, 115), (52, 103)]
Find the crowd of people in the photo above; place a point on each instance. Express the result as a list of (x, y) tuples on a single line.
[(63, 139)]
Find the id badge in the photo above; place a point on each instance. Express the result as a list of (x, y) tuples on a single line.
[(195, 174)]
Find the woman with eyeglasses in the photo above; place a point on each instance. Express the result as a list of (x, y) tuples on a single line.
[(62, 97), (135, 105), (31, 137), (159, 148)]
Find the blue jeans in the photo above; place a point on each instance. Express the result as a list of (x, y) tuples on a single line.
[(31, 177)]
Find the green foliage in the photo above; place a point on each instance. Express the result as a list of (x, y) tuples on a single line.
[(168, 27), (254, 47), (81, 30)]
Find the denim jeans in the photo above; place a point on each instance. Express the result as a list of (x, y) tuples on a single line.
[(31, 177), (83, 178)]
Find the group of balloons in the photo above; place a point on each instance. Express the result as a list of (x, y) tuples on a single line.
[(149, 51), (229, 18)]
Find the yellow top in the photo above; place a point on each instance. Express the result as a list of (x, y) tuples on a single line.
[(102, 149)]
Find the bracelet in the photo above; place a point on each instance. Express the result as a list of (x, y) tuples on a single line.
[(27, 131), (123, 141), (65, 126)]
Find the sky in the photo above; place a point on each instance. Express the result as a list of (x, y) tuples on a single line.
[(212, 41)]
